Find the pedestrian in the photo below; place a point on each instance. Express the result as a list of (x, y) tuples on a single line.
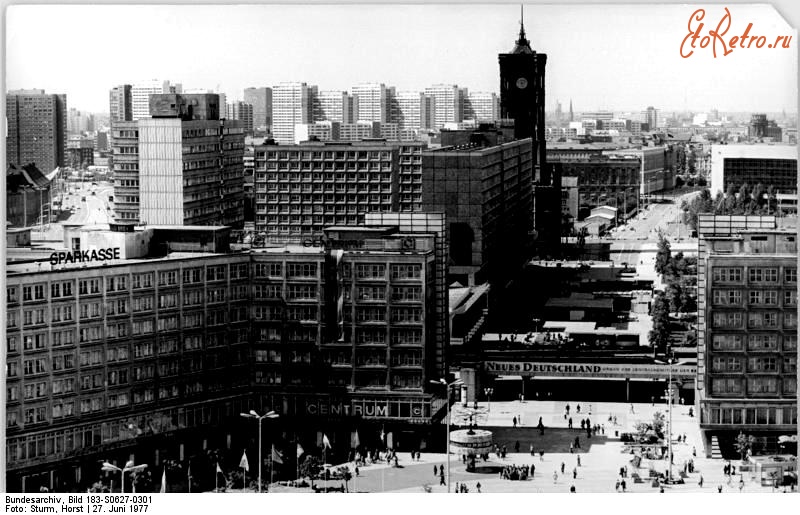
[(562, 467), (583, 423), (577, 442), (579, 460), (603, 429), (541, 454), (616, 486), (516, 446), (661, 490), (570, 422), (567, 408), (571, 448), (632, 410), (741, 484), (694, 451), (435, 471), (719, 488), (441, 481), (652, 401), (684, 437), (623, 485), (533, 453), (572, 489), (700, 483), (458, 488), (478, 486), (578, 408), (574, 473), (555, 476), (514, 421), (532, 470)]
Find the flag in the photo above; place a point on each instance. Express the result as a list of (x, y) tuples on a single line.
[(383, 435), (164, 481), (219, 470), (300, 451), (325, 442), (243, 464), (276, 456), (189, 470), (355, 441)]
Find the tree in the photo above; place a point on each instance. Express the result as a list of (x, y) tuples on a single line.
[(659, 334), (744, 444), (675, 296), (663, 254), (702, 182), (310, 467), (345, 474), (678, 182)]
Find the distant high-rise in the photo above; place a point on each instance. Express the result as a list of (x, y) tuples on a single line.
[(37, 129), (413, 110), (482, 107), (79, 121), (571, 115), (651, 117), (372, 102), (448, 104), (140, 95), (243, 112), (292, 104), (261, 100), (120, 102), (335, 106)]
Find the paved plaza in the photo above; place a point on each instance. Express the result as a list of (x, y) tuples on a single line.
[(601, 456)]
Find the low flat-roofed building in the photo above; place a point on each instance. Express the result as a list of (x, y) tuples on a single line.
[(770, 165)]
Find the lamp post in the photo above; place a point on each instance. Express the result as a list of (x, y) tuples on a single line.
[(670, 362), (129, 467), (488, 392), (256, 416), (442, 382)]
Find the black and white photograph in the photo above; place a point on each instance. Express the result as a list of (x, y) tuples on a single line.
[(397, 248)]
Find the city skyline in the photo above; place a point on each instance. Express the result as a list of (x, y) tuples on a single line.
[(428, 39)]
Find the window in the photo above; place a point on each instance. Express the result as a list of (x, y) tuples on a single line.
[(192, 275), (727, 275), (143, 372), (406, 315), (168, 278), (762, 275), (89, 286), (192, 342), (267, 291), (12, 345), (727, 319), (723, 386), (790, 298), (790, 342), (168, 323), (63, 338), (726, 364), (12, 318), (406, 336), (370, 314), (301, 270), (762, 385), (300, 292), (142, 327), (62, 313), (215, 273), (762, 364), (790, 275), (370, 271), (142, 350), (117, 283), (144, 280), (762, 342), (216, 295), (789, 319), (764, 297), (760, 319), (302, 313), (192, 297), (144, 303), (240, 271), (12, 294), (192, 320), (789, 365)]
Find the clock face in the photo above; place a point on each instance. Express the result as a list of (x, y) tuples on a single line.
[(522, 83)]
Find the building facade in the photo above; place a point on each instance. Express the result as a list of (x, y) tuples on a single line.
[(182, 166), (261, 100), (413, 111), (770, 165), (242, 112), (120, 103), (482, 106), (292, 104), (486, 196), (448, 104), (335, 106), (303, 188), (155, 355), (37, 129), (747, 336), (372, 102)]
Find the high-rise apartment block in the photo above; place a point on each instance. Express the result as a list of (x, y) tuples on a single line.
[(120, 102), (182, 166), (37, 129), (141, 91), (651, 118), (303, 188), (747, 335), (243, 112), (292, 104), (261, 100), (448, 103), (413, 111), (373, 102), (335, 106), (482, 107)]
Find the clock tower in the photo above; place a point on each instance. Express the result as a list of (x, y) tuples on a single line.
[(522, 94)]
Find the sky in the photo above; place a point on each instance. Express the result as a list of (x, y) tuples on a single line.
[(621, 58)]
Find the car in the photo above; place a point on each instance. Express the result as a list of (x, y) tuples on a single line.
[(83, 199), (94, 193)]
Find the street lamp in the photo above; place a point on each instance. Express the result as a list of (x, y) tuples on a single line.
[(442, 382), (129, 467), (670, 362), (256, 416), (488, 392)]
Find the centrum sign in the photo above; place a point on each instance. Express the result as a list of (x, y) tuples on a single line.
[(84, 256), (584, 370)]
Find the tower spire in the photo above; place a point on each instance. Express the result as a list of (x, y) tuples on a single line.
[(522, 45), (522, 23)]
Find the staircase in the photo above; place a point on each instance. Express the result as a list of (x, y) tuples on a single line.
[(715, 452)]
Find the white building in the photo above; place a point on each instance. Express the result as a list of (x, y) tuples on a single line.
[(292, 104), (413, 110), (334, 106), (448, 103), (372, 102), (771, 165), (482, 106)]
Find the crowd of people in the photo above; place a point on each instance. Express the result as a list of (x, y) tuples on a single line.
[(518, 472)]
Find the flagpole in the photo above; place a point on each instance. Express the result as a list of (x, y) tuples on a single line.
[(216, 478)]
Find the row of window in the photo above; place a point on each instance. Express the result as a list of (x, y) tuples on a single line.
[(754, 386), (755, 297), (755, 319), (755, 342), (734, 275), (751, 416), (735, 364)]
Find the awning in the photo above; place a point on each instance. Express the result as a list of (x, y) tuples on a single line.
[(508, 378)]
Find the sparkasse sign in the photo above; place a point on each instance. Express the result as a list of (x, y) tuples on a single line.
[(85, 256)]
